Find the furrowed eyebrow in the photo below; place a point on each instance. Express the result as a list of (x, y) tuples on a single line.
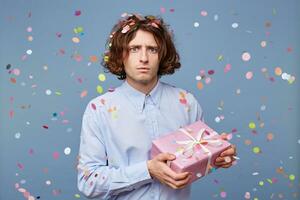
[(148, 46)]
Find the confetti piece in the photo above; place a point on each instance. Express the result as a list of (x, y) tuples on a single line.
[(255, 173), (246, 56), (270, 136), (48, 182), (101, 77), (263, 44), (208, 80), (77, 13), (29, 29), (227, 68), (227, 159), (45, 127), (99, 89), (18, 135), (20, 165), (83, 93), (29, 51), (196, 24), (48, 92), (249, 75), (55, 155), (292, 177), (78, 29), (67, 150), (223, 194), (220, 58), (93, 106), (216, 17), (77, 196), (256, 150), (30, 38), (75, 40), (252, 125), (200, 85), (203, 13), (248, 142), (247, 195), (93, 58), (261, 183), (278, 71), (234, 25)]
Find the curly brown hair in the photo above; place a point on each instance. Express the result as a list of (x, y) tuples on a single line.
[(125, 30)]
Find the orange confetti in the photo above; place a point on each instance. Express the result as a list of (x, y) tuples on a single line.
[(200, 85), (270, 136), (13, 80), (93, 58), (248, 142), (83, 93), (278, 71)]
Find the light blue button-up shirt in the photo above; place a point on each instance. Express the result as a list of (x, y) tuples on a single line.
[(117, 130)]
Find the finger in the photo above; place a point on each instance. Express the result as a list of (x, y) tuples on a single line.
[(226, 160), (178, 184), (226, 166), (176, 176), (165, 156), (220, 159), (228, 152)]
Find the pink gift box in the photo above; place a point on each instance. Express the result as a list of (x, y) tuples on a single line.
[(196, 147)]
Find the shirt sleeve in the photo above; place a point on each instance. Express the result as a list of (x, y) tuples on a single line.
[(196, 112), (95, 177)]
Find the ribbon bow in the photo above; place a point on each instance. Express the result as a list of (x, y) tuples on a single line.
[(200, 140)]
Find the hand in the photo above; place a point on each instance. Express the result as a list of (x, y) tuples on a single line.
[(160, 170), (226, 158)]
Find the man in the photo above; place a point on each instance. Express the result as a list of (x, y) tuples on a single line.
[(118, 127)]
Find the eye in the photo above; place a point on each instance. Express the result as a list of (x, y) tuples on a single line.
[(133, 49), (153, 50)]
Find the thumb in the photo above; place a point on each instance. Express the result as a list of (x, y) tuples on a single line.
[(166, 156)]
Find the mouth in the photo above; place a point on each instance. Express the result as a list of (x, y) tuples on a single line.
[(143, 69)]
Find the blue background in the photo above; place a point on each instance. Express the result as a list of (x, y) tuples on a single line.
[(32, 156)]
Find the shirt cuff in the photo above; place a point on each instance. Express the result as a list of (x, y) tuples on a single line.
[(139, 173)]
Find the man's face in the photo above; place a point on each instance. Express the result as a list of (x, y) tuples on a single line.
[(142, 63)]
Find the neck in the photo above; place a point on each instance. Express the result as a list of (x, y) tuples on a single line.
[(143, 87)]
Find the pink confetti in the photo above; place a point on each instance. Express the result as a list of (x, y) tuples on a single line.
[(223, 194), (31, 151), (249, 75), (211, 72), (93, 106), (55, 155), (58, 34), (11, 113), (227, 68), (45, 127), (20, 165), (172, 9), (77, 13)]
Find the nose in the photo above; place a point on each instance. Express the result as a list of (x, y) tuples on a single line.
[(144, 56)]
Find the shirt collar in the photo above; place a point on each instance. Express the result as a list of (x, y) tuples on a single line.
[(138, 98)]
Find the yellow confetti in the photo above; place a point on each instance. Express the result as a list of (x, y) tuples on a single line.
[(99, 89), (261, 183), (256, 150), (292, 177), (252, 125), (101, 77)]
